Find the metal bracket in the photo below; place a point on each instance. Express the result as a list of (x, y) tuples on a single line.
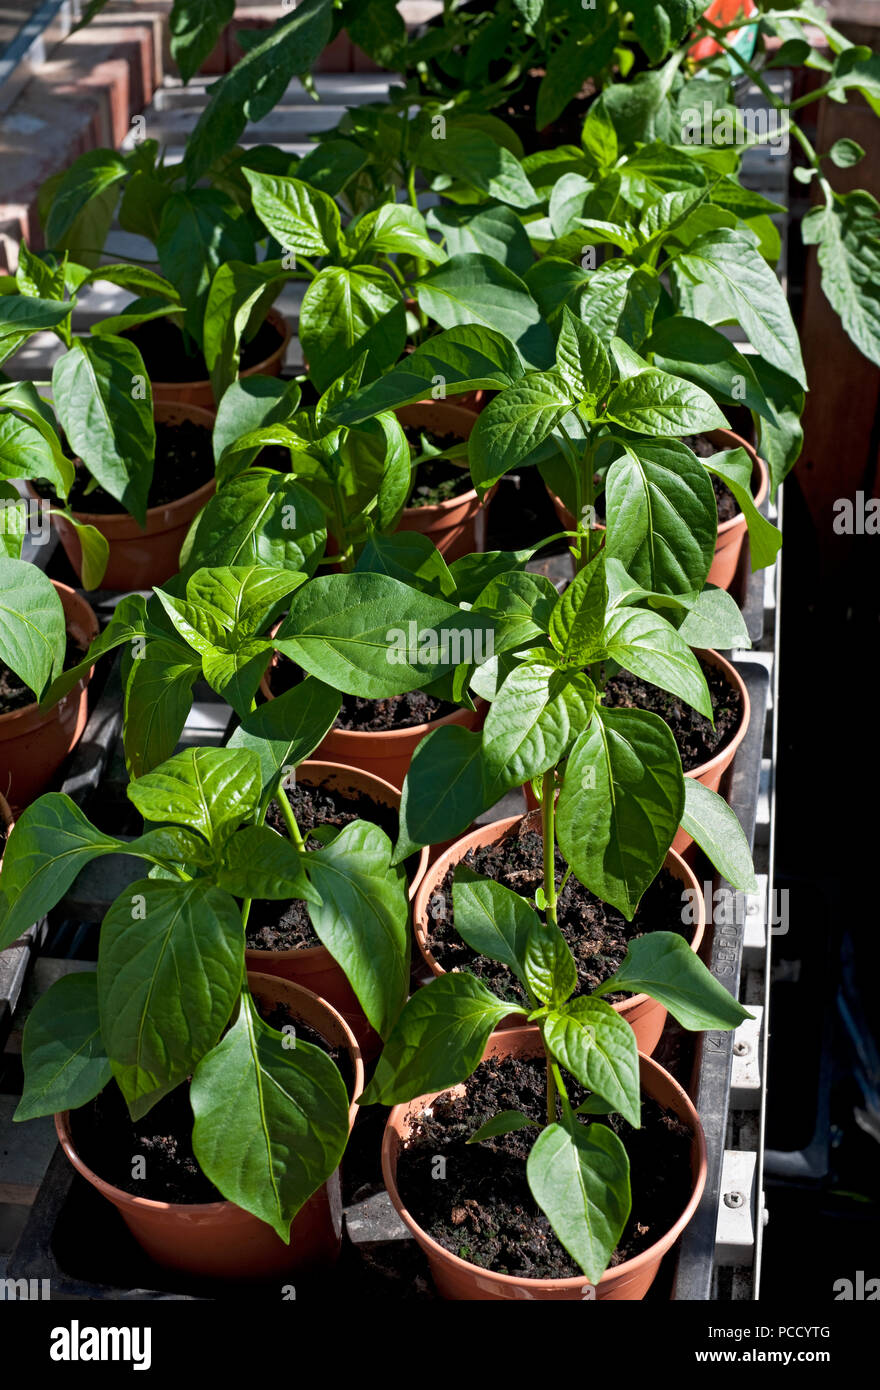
[(745, 1077), (735, 1231)]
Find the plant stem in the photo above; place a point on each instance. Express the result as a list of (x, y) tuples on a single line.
[(289, 818), (548, 819), (551, 1089)]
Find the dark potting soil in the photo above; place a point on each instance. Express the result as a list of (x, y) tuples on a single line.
[(184, 462), (695, 738), (108, 1140), (484, 1212), (437, 479), (279, 925), (369, 716), (14, 694), (163, 349), (597, 933)]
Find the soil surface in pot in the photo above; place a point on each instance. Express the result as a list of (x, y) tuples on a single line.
[(695, 738), (107, 1139), (436, 480), (14, 694), (597, 933), (484, 1211), (283, 926), (166, 359), (368, 716), (184, 463)]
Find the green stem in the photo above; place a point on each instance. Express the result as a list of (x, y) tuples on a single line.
[(289, 819), (548, 820), (551, 1088)]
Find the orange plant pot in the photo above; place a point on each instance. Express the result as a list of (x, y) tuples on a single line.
[(731, 534), (387, 753), (142, 559), (33, 745), (219, 1240), (457, 1279), (201, 393), (452, 525), (644, 1015), (313, 967)]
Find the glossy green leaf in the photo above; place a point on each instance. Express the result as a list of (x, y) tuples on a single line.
[(32, 625), (663, 965), (577, 622), (474, 288), (646, 644), (715, 827), (443, 790), (550, 971), (285, 731), (65, 1062), (493, 920), (210, 789), (346, 312), (580, 1181)]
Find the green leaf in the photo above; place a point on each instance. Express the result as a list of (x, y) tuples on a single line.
[(251, 89), (475, 158), (250, 404), (438, 1040), (727, 267), (285, 731), (619, 300), (580, 1180), (301, 219), (20, 316), (443, 790), (581, 359), (87, 177), (513, 425), (346, 312), (128, 623), (363, 919), (105, 404), (779, 444), (239, 295), (847, 238), (32, 626), (170, 967), (94, 548), (505, 1122), (494, 230), (620, 805), (65, 1064), (411, 557), (845, 153), (200, 230), (663, 965), (51, 842), (29, 444), (646, 644), (657, 404), (474, 288), (715, 827), (393, 229), (466, 358), (685, 347), (158, 699), (577, 623), (257, 862), (599, 1048), (271, 1121), (715, 621), (259, 517), (371, 635), (210, 789), (661, 517), (533, 721), (195, 27), (494, 921), (569, 66), (550, 971), (735, 468)]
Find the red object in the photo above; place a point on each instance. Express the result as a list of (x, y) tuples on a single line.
[(721, 12)]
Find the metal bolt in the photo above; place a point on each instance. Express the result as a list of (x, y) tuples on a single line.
[(741, 1049), (733, 1199)]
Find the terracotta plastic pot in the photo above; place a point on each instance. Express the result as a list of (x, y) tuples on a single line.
[(731, 534), (387, 753), (457, 1279), (218, 1239), (711, 772), (33, 745), (141, 559), (201, 394), (452, 525), (313, 967), (645, 1016)]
